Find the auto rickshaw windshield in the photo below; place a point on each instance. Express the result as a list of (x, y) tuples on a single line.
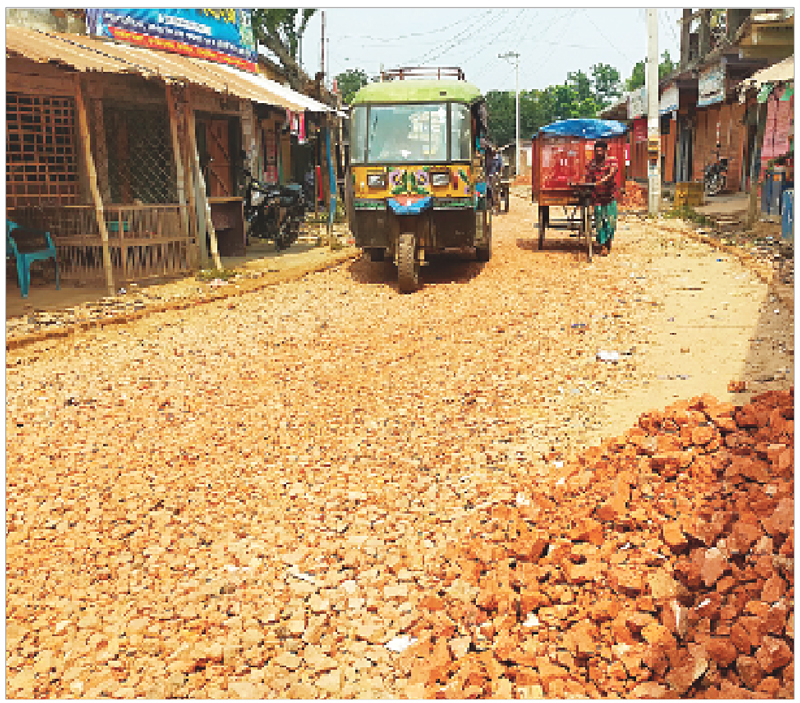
[(410, 133)]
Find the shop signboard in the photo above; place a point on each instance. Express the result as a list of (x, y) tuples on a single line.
[(637, 103), (640, 130), (711, 85), (218, 35), (669, 100)]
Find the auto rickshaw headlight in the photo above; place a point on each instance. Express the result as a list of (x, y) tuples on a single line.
[(440, 179), (376, 180)]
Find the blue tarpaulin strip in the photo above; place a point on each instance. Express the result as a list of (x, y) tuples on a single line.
[(332, 178), (414, 208), (584, 127)]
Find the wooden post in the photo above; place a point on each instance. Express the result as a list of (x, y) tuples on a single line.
[(202, 200), (758, 145), (101, 148), (204, 213), (83, 124), (176, 148), (198, 216), (212, 233)]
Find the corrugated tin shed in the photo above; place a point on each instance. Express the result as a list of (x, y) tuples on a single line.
[(275, 88), (91, 54), (781, 72)]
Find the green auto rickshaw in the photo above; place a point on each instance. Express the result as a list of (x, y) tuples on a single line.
[(417, 170)]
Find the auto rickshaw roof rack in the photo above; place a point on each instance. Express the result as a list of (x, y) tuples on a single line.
[(423, 72)]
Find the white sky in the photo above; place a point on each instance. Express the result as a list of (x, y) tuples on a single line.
[(551, 41)]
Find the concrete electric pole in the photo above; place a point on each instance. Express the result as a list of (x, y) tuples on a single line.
[(653, 130), (515, 56)]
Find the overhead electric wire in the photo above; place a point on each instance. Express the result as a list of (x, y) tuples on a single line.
[(431, 55), (668, 23), (608, 41), (474, 21), (549, 27), (438, 30), (488, 43), (542, 64)]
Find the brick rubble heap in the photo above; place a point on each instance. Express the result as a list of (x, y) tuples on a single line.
[(656, 565)]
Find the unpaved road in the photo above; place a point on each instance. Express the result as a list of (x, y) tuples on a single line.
[(251, 498)]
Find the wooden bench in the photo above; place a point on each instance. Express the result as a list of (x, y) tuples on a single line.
[(28, 245)]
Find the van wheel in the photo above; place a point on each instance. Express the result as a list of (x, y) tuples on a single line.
[(542, 223), (484, 253), (407, 264)]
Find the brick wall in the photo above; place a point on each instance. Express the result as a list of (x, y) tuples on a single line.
[(738, 134), (668, 144), (705, 140), (732, 133)]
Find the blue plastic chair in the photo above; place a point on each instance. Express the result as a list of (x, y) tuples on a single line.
[(28, 245)]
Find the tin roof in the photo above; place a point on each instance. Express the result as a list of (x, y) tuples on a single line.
[(85, 53), (413, 90), (781, 72)]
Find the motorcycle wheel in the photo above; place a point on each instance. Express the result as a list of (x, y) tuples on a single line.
[(713, 185), (407, 264)]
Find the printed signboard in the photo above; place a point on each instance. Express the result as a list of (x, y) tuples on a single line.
[(669, 100), (219, 35), (637, 103), (639, 130), (711, 85)]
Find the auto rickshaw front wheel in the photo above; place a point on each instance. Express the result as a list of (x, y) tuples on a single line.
[(484, 253), (407, 264)]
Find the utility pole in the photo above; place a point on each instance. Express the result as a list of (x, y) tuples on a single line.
[(515, 56), (322, 51), (653, 131)]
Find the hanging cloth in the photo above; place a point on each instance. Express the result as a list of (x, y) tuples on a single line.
[(764, 93)]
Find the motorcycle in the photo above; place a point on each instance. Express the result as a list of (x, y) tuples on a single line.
[(715, 175), (272, 211)]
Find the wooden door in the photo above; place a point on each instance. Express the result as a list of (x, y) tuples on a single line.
[(219, 171)]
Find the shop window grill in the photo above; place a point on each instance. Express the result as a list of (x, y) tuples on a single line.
[(41, 164), (141, 166)]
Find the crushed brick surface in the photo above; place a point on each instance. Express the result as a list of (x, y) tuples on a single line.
[(330, 489)]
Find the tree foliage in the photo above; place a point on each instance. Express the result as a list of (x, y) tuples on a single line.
[(281, 32), (607, 84), (350, 82), (581, 95), (666, 66), (637, 79)]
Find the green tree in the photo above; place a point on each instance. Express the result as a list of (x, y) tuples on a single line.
[(581, 84), (502, 108), (349, 83), (607, 84), (666, 66), (637, 77), (564, 102), (281, 32)]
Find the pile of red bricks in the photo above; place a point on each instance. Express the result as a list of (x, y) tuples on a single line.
[(634, 197), (659, 564)]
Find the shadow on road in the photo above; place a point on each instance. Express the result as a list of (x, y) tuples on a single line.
[(449, 267), (769, 364), (567, 245)]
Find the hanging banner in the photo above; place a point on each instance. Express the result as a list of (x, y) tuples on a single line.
[(669, 100), (637, 103), (639, 130), (219, 35), (711, 85)]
